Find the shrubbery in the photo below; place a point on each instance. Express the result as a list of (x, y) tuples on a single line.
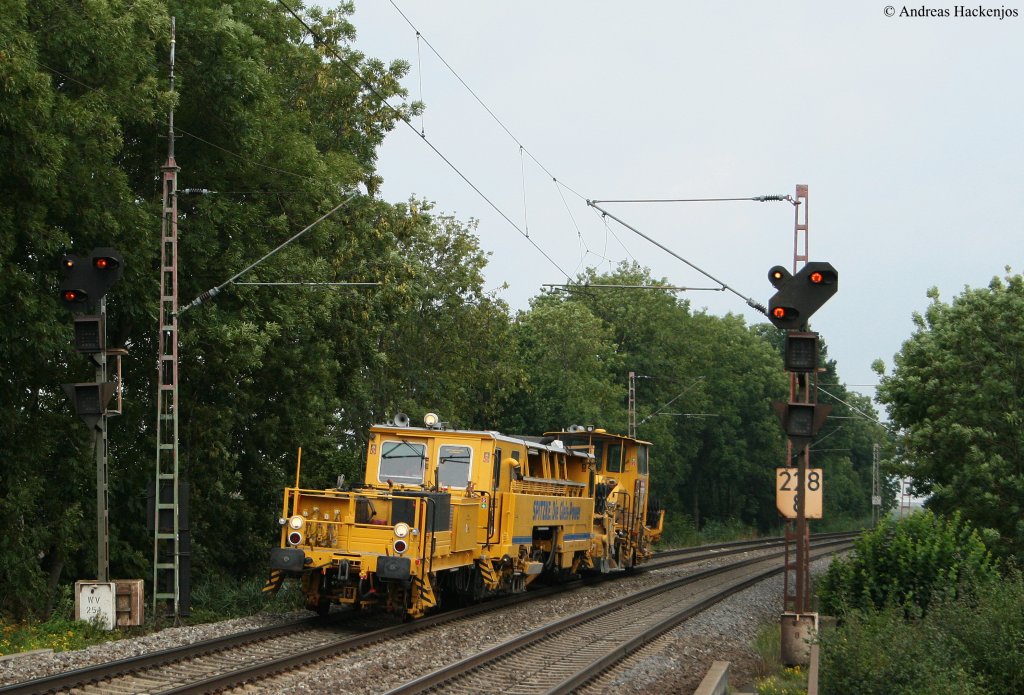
[(904, 564), (971, 644), (922, 610)]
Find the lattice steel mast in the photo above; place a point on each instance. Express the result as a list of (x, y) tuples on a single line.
[(166, 522)]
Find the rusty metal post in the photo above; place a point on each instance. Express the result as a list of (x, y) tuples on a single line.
[(797, 622)]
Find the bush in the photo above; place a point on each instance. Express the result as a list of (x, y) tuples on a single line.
[(882, 653), (987, 631), (904, 564), (970, 644)]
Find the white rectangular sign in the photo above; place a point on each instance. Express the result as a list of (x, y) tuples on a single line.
[(97, 603)]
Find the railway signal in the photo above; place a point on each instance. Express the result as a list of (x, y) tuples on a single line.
[(85, 283), (801, 421), (90, 400), (799, 296), (87, 280)]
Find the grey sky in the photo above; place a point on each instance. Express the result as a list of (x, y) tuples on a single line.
[(908, 132)]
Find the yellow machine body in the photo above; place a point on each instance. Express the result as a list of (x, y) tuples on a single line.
[(459, 515)]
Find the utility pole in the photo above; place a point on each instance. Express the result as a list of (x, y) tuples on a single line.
[(170, 566), (876, 486), (102, 477), (631, 430)]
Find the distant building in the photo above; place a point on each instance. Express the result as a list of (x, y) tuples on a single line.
[(908, 503)]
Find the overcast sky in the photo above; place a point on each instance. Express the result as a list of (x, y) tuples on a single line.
[(908, 132)]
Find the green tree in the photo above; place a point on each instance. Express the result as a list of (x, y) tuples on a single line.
[(73, 79), (571, 365), (703, 389), (276, 127), (956, 396)]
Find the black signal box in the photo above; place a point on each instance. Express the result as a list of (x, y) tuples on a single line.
[(801, 352)]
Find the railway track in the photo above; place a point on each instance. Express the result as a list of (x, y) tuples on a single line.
[(564, 655), (227, 662)]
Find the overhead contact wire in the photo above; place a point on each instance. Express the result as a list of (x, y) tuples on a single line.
[(481, 102), (750, 302), (757, 199), (209, 294), (400, 116)]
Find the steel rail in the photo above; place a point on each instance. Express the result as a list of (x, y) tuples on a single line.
[(751, 543), (613, 656), (94, 674)]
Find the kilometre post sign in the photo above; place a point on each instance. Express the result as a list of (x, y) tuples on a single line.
[(785, 492)]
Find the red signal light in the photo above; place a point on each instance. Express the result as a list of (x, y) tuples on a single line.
[(816, 278), (101, 263), (779, 312), (73, 296)]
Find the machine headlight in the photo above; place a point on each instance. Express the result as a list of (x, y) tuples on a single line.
[(400, 546), (297, 522), (401, 529), (295, 538)]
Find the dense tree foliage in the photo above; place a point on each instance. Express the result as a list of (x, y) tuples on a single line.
[(956, 395), (277, 130)]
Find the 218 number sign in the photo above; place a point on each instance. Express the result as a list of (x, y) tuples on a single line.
[(786, 489)]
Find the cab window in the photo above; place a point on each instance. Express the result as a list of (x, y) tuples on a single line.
[(614, 458), (401, 462), (641, 460), (453, 466)]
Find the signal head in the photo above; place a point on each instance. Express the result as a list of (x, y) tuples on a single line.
[(802, 294), (784, 313), (823, 277), (73, 297), (778, 276), (801, 352), (106, 263), (86, 281), (74, 294)]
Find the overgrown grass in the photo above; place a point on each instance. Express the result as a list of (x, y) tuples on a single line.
[(222, 599), (60, 633), (773, 677), (839, 523), (680, 532), (791, 681)]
